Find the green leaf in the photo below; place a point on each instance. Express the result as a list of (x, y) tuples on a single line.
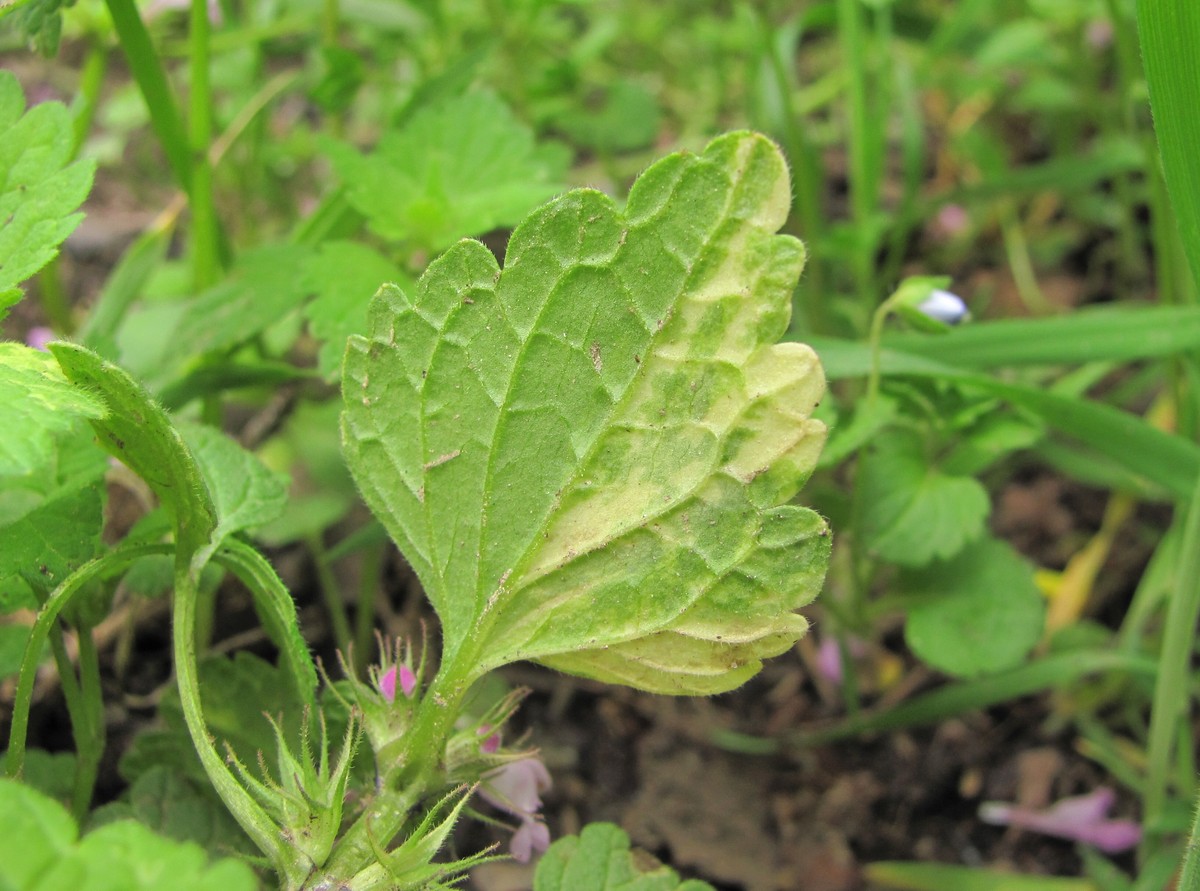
[(35, 833), (244, 492), (1170, 31), (599, 859), (13, 639), (462, 167), (51, 519), (169, 803), (978, 613), (38, 403), (939, 876), (140, 433), (913, 513), (129, 856), (344, 275), (628, 118), (588, 458), (39, 191), (264, 286)]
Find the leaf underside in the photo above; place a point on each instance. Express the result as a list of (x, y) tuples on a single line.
[(587, 457)]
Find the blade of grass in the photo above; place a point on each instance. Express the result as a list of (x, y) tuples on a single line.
[(147, 70), (942, 877), (1172, 697), (956, 698), (1170, 462), (1116, 333), (1169, 31)]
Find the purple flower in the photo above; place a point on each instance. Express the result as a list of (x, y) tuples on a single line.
[(1083, 818), (517, 787), (829, 657), (39, 336), (490, 742), (387, 682)]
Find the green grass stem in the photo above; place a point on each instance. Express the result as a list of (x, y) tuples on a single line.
[(147, 70), (205, 235), (1172, 694)]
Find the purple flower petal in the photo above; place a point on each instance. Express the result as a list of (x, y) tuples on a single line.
[(533, 835), (516, 787), (387, 684), (1082, 818), (408, 682)]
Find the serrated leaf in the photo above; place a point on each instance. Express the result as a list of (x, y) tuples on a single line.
[(343, 275), (462, 167), (38, 403), (978, 613), (40, 191), (599, 859), (587, 458), (912, 512), (244, 491)]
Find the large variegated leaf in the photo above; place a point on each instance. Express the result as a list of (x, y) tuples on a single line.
[(587, 457)]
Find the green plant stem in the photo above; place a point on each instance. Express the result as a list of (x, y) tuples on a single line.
[(1172, 696), (287, 861), (1189, 876), (863, 172), (53, 298), (335, 603), (364, 616), (205, 236), (43, 628), (415, 773), (151, 79), (89, 744), (87, 94)]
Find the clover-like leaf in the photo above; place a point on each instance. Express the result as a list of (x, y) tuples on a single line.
[(588, 457)]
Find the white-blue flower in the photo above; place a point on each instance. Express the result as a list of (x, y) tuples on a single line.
[(945, 307)]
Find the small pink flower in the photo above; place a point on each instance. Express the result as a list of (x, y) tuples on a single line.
[(406, 678), (1083, 818), (952, 220), (517, 788), (408, 681), (387, 684), (490, 742), (39, 336), (829, 657)]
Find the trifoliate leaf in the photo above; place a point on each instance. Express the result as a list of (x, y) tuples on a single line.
[(599, 859), (463, 167), (39, 191), (912, 512), (343, 275), (588, 457), (38, 403), (979, 613)]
